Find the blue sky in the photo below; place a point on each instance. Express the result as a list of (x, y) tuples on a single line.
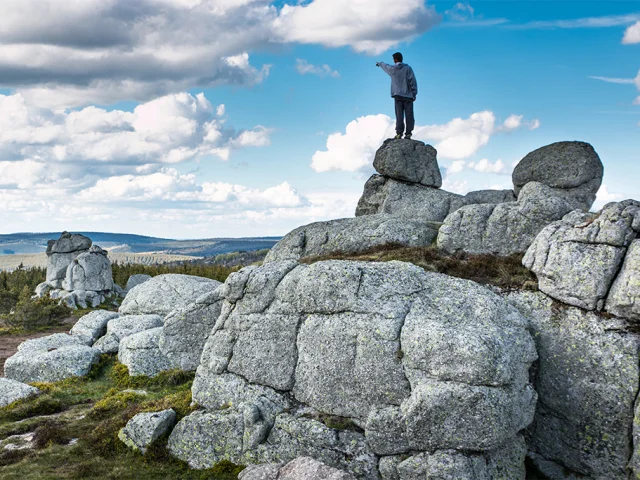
[(104, 129)]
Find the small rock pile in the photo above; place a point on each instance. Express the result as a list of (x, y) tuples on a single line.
[(78, 272)]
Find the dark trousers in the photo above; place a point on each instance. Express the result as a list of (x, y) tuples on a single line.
[(404, 107)]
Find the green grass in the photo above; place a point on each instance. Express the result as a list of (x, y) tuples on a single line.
[(93, 410)]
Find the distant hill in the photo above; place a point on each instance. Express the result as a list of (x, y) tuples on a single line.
[(28, 243)]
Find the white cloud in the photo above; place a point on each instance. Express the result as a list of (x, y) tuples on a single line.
[(370, 26), (586, 22), (485, 166), (167, 130), (604, 196), (100, 51), (305, 68), (457, 166), (455, 186), (614, 80), (632, 34), (456, 140)]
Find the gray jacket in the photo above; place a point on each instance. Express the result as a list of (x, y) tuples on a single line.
[(403, 80)]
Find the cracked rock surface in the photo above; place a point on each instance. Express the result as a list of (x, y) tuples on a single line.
[(12, 391), (141, 354), (502, 229), (124, 326), (352, 235), (165, 293), (577, 259), (378, 346)]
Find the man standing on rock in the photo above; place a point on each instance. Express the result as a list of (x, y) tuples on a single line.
[(404, 90)]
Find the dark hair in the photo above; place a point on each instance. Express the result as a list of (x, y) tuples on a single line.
[(397, 57)]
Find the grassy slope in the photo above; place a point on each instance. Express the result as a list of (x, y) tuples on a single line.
[(93, 410)]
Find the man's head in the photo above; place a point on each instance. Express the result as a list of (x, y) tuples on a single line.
[(397, 57)]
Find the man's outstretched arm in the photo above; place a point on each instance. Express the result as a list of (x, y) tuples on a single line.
[(386, 67), (413, 84)]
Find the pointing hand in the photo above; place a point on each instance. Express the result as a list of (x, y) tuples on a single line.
[(378, 64)]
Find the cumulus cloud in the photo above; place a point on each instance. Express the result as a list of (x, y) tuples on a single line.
[(101, 51), (167, 130), (632, 34), (305, 68), (458, 139)]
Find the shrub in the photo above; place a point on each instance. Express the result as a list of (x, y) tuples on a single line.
[(31, 314)]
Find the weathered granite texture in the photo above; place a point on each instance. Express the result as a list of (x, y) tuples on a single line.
[(186, 330), (351, 235), (409, 161), (51, 359), (302, 468), (124, 326), (141, 354), (577, 259), (12, 391), (61, 253), (587, 379), (502, 229), (415, 361), (145, 428), (165, 293), (93, 325), (89, 271), (135, 280), (572, 169)]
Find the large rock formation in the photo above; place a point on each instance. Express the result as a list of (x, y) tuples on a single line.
[(350, 235), (502, 229), (93, 325), (587, 379), (165, 293), (422, 366), (572, 169), (124, 326), (577, 259), (78, 273), (409, 161)]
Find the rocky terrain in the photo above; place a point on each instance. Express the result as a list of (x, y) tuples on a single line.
[(308, 367)]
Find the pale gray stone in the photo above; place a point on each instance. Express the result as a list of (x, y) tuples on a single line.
[(409, 161), (57, 265), (587, 380), (267, 471), (12, 391), (186, 330), (306, 468), (352, 235), (141, 354), (165, 293), (577, 258), (505, 228), (51, 359), (624, 297), (368, 342), (122, 327), (489, 196), (43, 289), (386, 195), (572, 167), (135, 280), (89, 271), (69, 243), (93, 325), (145, 428)]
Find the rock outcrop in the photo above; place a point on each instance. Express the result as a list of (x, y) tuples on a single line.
[(93, 325), (124, 326), (587, 379), (572, 169), (165, 293), (420, 364), (135, 280), (350, 235), (409, 161), (577, 259), (51, 359), (141, 354), (502, 229), (12, 391), (145, 428), (185, 331), (78, 273)]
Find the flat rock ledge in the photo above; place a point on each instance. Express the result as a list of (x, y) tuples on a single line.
[(419, 371), (352, 235)]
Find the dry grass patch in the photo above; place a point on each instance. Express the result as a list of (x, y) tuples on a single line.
[(504, 272)]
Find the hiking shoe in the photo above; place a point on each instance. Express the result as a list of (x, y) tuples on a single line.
[(408, 136), (398, 136)]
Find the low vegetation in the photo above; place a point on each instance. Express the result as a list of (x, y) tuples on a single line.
[(504, 272), (122, 271), (76, 423)]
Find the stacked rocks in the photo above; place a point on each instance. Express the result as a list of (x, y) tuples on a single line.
[(78, 273), (422, 375), (550, 182)]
